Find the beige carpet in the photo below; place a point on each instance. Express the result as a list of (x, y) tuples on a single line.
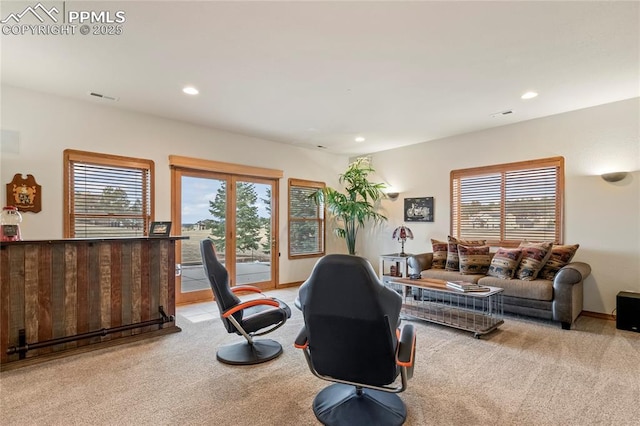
[(526, 373)]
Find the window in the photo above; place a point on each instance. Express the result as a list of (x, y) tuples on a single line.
[(106, 195), (508, 203), (306, 220)]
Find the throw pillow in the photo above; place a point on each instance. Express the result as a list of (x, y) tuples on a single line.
[(534, 257), (561, 255), (453, 261), (439, 249), (474, 259), (504, 263)]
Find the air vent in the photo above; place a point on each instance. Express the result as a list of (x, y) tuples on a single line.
[(99, 95), (502, 113)]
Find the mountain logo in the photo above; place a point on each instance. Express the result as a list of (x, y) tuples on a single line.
[(38, 11)]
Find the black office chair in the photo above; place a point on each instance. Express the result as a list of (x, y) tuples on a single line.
[(249, 319), (351, 337)]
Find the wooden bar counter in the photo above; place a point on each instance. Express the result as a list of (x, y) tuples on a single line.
[(87, 293)]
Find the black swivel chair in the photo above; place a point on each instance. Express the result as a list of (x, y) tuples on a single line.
[(249, 319), (351, 337)]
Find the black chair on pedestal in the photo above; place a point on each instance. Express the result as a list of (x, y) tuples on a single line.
[(352, 337), (249, 319)]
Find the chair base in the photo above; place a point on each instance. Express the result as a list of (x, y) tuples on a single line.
[(340, 404), (248, 354)]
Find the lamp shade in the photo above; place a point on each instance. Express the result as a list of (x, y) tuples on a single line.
[(401, 233), (614, 177)]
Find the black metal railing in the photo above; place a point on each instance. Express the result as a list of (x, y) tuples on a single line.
[(23, 347)]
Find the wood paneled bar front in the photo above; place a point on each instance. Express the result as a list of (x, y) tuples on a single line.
[(59, 297)]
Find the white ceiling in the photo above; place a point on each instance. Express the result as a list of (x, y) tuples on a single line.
[(322, 73)]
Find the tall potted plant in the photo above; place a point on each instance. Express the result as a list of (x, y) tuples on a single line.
[(355, 207)]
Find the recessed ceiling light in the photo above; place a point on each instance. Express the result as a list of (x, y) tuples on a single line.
[(360, 139), (529, 95), (190, 90)]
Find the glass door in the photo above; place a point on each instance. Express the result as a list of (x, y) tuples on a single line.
[(254, 233), (198, 193), (235, 212)]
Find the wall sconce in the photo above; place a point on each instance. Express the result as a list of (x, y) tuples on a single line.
[(393, 195), (614, 177)]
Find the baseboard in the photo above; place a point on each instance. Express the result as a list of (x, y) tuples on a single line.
[(598, 315)]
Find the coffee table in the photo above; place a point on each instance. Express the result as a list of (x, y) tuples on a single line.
[(431, 300)]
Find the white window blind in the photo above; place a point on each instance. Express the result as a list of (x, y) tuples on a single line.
[(107, 196), (306, 220), (508, 203)]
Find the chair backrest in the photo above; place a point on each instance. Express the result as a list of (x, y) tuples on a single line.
[(219, 281), (351, 321)]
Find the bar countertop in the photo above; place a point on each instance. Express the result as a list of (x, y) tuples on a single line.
[(94, 240)]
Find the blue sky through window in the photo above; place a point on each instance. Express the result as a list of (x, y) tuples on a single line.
[(197, 192)]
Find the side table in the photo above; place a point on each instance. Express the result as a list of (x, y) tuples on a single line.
[(393, 266)]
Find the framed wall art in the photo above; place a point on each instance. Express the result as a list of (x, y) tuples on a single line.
[(418, 209), (160, 229), (24, 194)]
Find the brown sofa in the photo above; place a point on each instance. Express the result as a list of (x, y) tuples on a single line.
[(558, 300)]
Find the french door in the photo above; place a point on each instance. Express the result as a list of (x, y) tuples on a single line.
[(239, 214)]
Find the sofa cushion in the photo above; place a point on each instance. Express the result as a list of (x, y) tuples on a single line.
[(453, 260), (534, 257), (439, 249), (535, 290), (560, 256), (504, 263), (474, 259)]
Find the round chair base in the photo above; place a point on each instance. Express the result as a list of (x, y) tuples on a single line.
[(245, 354), (340, 404)]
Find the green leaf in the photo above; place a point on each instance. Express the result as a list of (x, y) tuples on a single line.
[(356, 206)]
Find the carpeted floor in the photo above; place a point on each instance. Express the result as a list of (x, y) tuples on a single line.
[(526, 373)]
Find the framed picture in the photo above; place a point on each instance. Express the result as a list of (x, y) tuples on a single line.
[(159, 229), (418, 209)]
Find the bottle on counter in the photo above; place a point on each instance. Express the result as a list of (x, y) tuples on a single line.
[(10, 219)]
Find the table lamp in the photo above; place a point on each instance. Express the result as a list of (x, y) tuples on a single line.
[(401, 233)]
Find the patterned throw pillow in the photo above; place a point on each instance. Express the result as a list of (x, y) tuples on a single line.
[(439, 249), (504, 263), (534, 257), (561, 255), (453, 261), (474, 259)]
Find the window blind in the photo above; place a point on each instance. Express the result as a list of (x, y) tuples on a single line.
[(306, 220), (508, 203), (108, 200)]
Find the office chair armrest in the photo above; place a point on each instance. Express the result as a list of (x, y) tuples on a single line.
[(248, 304), (302, 341), (245, 288), (406, 346)]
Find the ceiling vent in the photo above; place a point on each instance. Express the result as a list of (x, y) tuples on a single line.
[(502, 113), (99, 95)]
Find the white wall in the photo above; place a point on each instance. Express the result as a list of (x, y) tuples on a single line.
[(47, 125), (604, 218)]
